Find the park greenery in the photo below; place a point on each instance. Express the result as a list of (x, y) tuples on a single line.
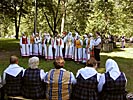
[(84, 16)]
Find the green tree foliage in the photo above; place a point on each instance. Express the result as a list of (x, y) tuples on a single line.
[(52, 12), (84, 16), (14, 10), (81, 12)]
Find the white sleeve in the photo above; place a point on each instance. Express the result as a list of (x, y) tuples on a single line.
[(101, 82), (125, 78), (62, 46), (42, 74), (20, 42), (40, 40), (23, 72), (28, 39), (55, 44), (73, 80), (0, 82), (81, 42), (35, 41), (98, 76), (97, 42), (91, 43), (65, 39), (46, 77), (4, 77)]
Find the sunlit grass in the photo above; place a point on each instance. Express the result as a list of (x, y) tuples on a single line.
[(125, 53)]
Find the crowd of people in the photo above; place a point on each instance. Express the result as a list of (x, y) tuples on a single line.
[(60, 84), (77, 48)]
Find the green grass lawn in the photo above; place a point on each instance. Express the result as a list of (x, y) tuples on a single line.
[(124, 58)]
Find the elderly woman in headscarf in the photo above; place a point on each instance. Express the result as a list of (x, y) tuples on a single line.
[(112, 84), (33, 81)]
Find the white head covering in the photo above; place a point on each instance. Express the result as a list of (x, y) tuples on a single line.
[(13, 69), (76, 33), (78, 36), (37, 33), (70, 33), (33, 34), (85, 36), (90, 34), (86, 72), (112, 68), (23, 33)]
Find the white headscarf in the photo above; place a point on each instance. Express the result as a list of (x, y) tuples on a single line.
[(112, 68), (69, 35), (86, 72), (85, 36), (13, 69)]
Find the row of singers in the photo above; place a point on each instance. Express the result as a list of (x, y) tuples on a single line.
[(74, 48)]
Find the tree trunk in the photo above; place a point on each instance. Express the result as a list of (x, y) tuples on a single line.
[(63, 15), (17, 22), (62, 23)]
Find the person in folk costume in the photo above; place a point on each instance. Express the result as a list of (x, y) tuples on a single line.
[(24, 45), (87, 78), (73, 46), (43, 44), (33, 86), (31, 44), (48, 47), (59, 82), (112, 84), (78, 49), (37, 45), (58, 45), (53, 49), (12, 77), (86, 43), (64, 35), (91, 48), (69, 44), (122, 42), (97, 48)]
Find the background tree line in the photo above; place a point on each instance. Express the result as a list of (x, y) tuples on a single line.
[(84, 16)]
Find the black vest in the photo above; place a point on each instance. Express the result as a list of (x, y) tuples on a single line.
[(13, 84), (85, 89), (114, 89), (33, 87)]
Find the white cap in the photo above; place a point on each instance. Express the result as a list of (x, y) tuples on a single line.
[(85, 36), (23, 33), (76, 33), (90, 34), (37, 33)]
